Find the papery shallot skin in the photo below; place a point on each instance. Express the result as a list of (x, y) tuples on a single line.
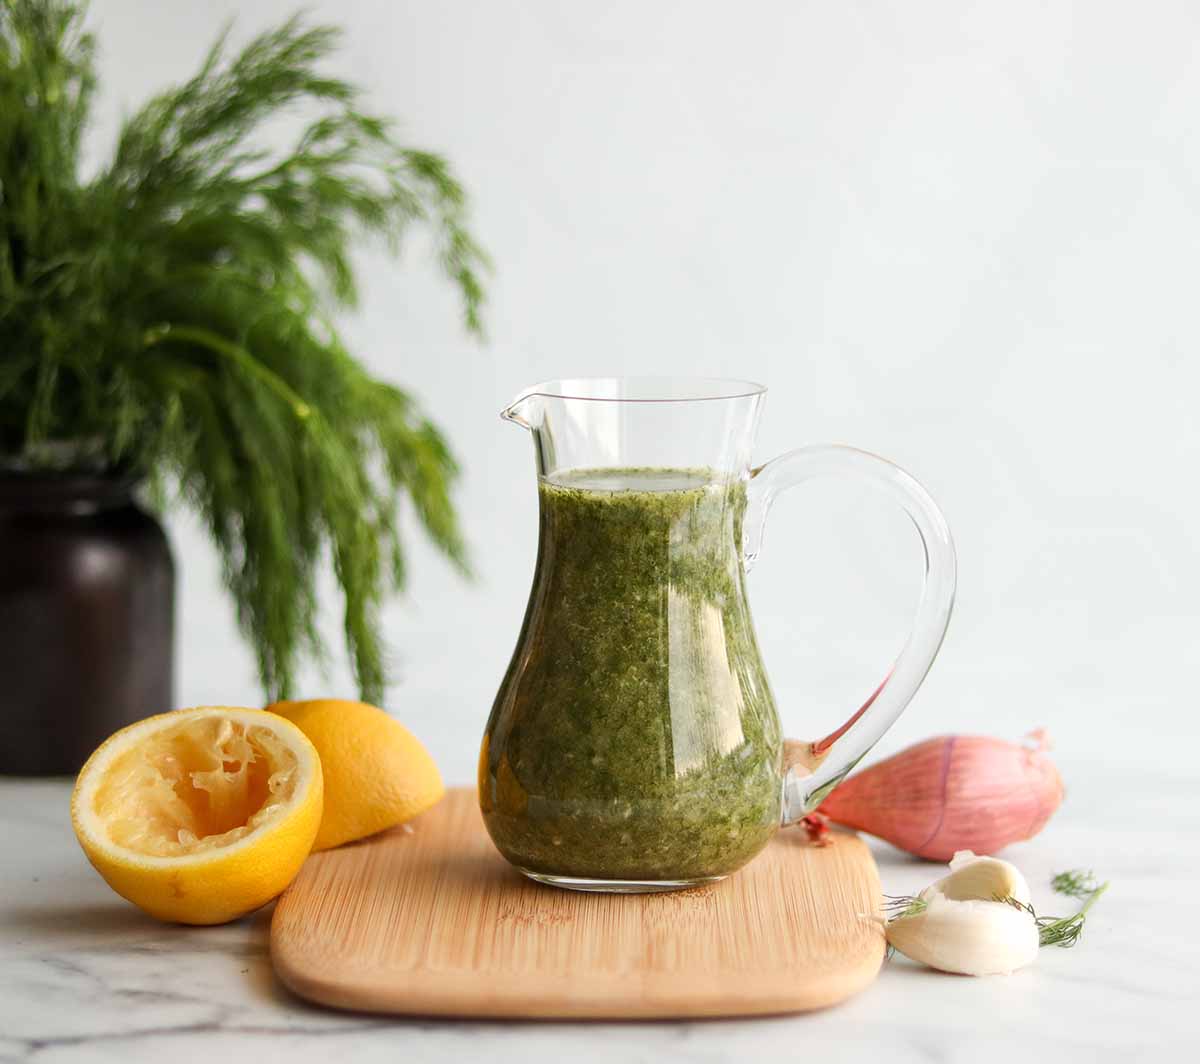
[(952, 792)]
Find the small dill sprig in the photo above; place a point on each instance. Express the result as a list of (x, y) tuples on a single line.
[(1064, 931), (1077, 883), (898, 906)]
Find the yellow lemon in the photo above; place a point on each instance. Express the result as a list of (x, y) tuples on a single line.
[(377, 774), (200, 815)]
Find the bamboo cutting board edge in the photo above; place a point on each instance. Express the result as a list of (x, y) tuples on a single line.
[(435, 923), (441, 997)]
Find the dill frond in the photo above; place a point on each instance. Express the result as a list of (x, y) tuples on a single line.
[(897, 907), (172, 316), (1064, 931)]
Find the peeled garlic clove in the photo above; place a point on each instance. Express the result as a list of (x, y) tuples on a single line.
[(967, 937), (975, 878)]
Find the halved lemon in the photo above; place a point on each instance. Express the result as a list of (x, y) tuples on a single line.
[(201, 815)]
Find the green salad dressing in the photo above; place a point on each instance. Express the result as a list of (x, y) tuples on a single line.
[(634, 735)]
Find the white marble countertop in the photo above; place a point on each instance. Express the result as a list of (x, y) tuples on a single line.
[(84, 976)]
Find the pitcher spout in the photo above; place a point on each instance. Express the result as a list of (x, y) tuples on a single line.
[(525, 410)]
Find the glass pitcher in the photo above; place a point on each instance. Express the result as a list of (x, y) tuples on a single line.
[(634, 744)]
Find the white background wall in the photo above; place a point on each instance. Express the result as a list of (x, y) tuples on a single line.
[(964, 235)]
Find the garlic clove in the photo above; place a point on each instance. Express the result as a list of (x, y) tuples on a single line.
[(966, 926), (967, 937), (974, 878)]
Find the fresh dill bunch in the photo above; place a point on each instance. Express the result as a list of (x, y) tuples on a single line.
[(171, 317)]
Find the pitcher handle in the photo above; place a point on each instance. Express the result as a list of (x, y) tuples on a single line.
[(813, 769)]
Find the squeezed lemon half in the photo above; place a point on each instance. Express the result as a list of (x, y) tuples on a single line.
[(201, 815)]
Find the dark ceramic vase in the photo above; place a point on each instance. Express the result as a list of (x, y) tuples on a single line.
[(86, 617)]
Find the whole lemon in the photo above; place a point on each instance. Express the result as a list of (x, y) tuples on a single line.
[(377, 773)]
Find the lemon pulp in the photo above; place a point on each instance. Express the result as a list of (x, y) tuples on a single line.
[(195, 786)]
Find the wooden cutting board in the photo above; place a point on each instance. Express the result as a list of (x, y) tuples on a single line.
[(433, 921)]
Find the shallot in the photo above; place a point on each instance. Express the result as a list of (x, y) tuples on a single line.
[(951, 793)]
